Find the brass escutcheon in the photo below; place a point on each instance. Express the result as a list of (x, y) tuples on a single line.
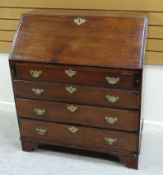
[(72, 108), (111, 120), (79, 21), (112, 99), (73, 129), (70, 73), (37, 91), (39, 112), (41, 131), (35, 73), (71, 89), (110, 141), (112, 80)]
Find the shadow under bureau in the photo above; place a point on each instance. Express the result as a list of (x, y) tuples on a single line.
[(77, 78)]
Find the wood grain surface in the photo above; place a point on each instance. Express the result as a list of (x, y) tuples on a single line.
[(83, 115), (84, 137), (98, 42), (81, 95)]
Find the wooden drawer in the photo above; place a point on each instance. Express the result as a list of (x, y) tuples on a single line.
[(78, 114), (78, 136), (77, 94), (78, 75)]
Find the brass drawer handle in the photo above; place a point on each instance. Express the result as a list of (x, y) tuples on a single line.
[(112, 99), (110, 141), (35, 73), (72, 108), (111, 120), (112, 80), (79, 21), (73, 129), (71, 89), (70, 73), (41, 131), (39, 112), (37, 91)]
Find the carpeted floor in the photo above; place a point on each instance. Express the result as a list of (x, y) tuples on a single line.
[(13, 161)]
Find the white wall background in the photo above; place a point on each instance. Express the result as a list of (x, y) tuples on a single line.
[(6, 95), (152, 105)]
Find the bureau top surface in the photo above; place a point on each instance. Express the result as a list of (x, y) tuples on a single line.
[(86, 38)]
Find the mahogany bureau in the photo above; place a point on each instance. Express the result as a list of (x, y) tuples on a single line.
[(77, 78)]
